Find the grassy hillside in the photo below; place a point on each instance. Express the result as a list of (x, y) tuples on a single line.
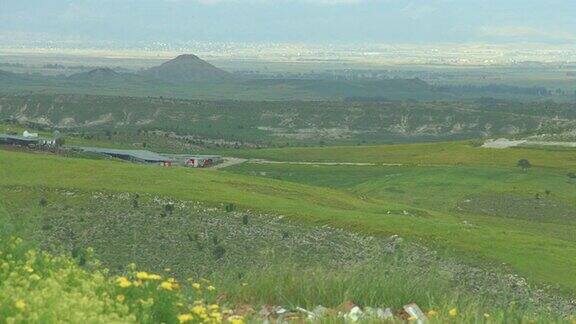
[(540, 255), (174, 124), (39, 286)]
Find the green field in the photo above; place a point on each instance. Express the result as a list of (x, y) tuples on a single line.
[(416, 203), (478, 191), (459, 153)]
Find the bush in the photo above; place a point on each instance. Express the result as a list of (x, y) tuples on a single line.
[(230, 207), (37, 287), (43, 202)]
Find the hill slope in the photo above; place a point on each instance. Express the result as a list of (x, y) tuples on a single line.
[(281, 122), (105, 75), (537, 255)]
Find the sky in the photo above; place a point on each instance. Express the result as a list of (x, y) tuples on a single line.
[(306, 21)]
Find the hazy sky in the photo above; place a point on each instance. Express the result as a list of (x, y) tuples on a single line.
[(394, 21)]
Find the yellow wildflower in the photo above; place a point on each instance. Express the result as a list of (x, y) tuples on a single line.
[(432, 313), (142, 275), (137, 283), (216, 316), (486, 315), (184, 318), (123, 282), (236, 319), (196, 285), (20, 305), (121, 298), (166, 286), (167, 269), (211, 288), (453, 312), (199, 310), (213, 307), (28, 269)]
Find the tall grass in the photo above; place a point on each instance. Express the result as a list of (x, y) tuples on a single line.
[(381, 284)]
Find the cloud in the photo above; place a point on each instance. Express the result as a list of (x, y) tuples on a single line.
[(525, 32)]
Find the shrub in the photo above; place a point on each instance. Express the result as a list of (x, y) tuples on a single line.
[(229, 207), (219, 252), (524, 164), (37, 287), (43, 202), (169, 208)]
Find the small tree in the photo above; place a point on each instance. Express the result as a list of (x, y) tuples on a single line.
[(524, 164)]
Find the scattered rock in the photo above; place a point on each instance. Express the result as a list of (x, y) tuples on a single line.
[(378, 313), (415, 313), (320, 311), (308, 313), (354, 315), (346, 306)]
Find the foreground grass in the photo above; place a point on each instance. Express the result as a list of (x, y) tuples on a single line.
[(538, 256), (36, 287), (39, 287)]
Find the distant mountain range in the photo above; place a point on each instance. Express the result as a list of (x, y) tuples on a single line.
[(185, 68), (189, 77), (105, 75)]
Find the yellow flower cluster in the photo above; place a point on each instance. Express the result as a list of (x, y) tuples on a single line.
[(123, 282), (38, 287), (142, 275), (210, 314), (170, 284)]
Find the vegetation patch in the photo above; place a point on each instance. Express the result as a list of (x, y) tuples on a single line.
[(540, 207), (257, 260)]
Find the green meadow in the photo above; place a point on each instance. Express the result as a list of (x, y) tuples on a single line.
[(425, 204), (421, 154)]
